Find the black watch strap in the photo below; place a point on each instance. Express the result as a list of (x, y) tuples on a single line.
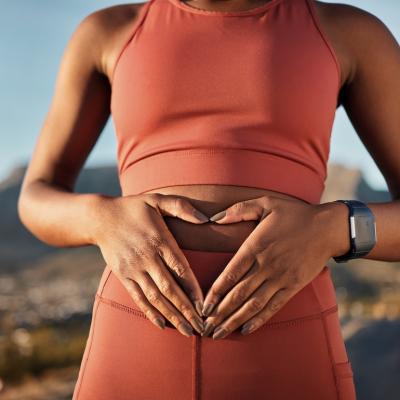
[(362, 230)]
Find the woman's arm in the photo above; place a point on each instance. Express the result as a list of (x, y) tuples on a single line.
[(280, 256), (78, 112), (371, 99), (129, 230)]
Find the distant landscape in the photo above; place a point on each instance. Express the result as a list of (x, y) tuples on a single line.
[(46, 297)]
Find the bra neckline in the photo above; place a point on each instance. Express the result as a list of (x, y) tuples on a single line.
[(237, 13)]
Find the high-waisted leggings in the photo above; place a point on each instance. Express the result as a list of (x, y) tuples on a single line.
[(299, 353)]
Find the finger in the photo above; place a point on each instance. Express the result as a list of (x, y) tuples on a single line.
[(237, 266), (275, 303), (247, 210), (157, 299), (176, 206), (179, 266), (140, 299), (170, 289), (235, 298), (252, 306)]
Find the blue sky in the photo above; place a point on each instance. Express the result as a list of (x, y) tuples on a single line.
[(33, 37)]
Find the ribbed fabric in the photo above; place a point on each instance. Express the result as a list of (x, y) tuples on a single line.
[(211, 97)]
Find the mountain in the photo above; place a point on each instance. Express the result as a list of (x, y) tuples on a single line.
[(18, 247), (349, 183)]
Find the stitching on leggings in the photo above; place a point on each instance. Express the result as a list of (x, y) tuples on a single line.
[(198, 353), (88, 353), (346, 374), (300, 320), (101, 289), (267, 325), (120, 306), (195, 368), (330, 351)]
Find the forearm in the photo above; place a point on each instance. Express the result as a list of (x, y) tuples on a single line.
[(387, 219), (59, 217)]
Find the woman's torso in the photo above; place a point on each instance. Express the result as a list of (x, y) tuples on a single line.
[(212, 198)]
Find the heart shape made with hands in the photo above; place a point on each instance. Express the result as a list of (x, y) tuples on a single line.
[(247, 292)]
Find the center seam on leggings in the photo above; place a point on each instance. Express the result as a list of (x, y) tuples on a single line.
[(325, 329), (195, 367)]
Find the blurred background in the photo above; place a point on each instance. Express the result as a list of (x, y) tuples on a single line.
[(46, 293)]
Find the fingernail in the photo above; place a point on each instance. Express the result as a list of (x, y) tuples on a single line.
[(160, 322), (218, 216), (199, 306), (219, 333), (200, 216), (187, 329), (208, 327), (199, 324), (246, 329), (207, 309)]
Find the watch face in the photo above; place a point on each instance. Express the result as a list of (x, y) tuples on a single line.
[(365, 231)]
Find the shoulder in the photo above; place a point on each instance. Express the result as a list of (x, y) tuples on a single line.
[(354, 30), (350, 17), (111, 17), (104, 30)]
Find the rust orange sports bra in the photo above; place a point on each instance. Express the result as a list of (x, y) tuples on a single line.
[(244, 98)]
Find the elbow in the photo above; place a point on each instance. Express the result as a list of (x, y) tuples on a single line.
[(22, 208), (25, 210), (28, 217), (30, 213)]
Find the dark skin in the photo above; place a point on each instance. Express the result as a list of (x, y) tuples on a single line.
[(274, 255)]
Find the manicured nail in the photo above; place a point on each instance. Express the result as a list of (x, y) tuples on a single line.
[(186, 328), (246, 329), (207, 309), (160, 322), (218, 216), (200, 216), (208, 327), (199, 306), (199, 323), (219, 333)]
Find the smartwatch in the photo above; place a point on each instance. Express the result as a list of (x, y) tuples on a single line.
[(362, 230)]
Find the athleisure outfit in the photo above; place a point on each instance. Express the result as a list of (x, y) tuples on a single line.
[(245, 98)]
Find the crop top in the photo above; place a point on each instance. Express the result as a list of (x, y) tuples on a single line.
[(245, 98)]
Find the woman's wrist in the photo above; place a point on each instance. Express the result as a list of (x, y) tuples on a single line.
[(96, 210), (334, 217)]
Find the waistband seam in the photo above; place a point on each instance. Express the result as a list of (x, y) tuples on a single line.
[(276, 324)]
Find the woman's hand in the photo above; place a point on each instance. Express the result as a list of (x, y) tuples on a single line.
[(287, 249), (141, 251)]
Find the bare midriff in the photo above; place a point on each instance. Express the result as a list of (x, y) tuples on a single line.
[(211, 199)]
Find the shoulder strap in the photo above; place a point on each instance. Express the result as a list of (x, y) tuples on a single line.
[(313, 12), (139, 20)]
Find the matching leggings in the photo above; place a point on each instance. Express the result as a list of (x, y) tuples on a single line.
[(298, 354)]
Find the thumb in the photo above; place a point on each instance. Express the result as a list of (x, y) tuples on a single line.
[(177, 206), (247, 210)]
